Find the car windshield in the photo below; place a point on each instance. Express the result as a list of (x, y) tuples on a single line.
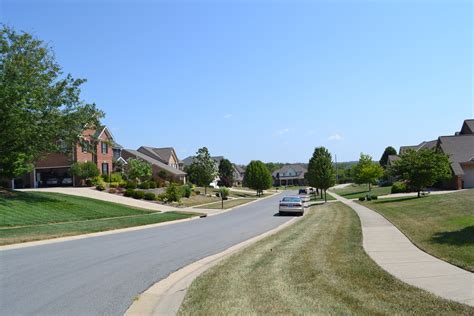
[(291, 199)]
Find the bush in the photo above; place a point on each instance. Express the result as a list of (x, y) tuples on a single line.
[(112, 190), (100, 186), (131, 185), (173, 193), (144, 185), (362, 198), (123, 184), (152, 184), (116, 177), (374, 197), (197, 192), (150, 196), (129, 192), (97, 180), (114, 185), (85, 170), (138, 194), (162, 197), (105, 177), (218, 194), (186, 190), (399, 187)]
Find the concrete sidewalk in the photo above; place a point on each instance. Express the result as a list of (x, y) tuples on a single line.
[(394, 252)]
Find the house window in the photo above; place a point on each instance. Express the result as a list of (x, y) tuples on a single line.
[(85, 147), (105, 168), (105, 148)]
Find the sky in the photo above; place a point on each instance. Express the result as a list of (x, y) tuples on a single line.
[(267, 80)]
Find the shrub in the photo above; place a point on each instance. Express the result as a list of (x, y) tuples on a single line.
[(96, 181), (144, 185), (186, 190), (114, 185), (116, 177), (100, 187), (368, 198), (85, 170), (138, 194), (123, 184), (374, 197), (152, 184), (218, 194), (131, 185), (150, 196), (129, 192), (162, 197), (224, 193), (112, 190), (399, 187), (173, 193), (362, 198)]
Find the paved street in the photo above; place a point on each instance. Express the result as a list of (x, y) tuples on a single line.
[(102, 275)]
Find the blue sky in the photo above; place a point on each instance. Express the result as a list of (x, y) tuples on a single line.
[(266, 80)]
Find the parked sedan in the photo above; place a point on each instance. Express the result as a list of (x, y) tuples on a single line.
[(304, 195), (291, 204)]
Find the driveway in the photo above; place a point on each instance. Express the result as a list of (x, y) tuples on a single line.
[(102, 275)]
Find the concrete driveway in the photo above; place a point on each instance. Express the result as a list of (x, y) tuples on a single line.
[(102, 275)]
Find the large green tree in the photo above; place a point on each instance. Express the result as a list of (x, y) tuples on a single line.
[(421, 168), (203, 169), (226, 173), (387, 152), (40, 109), (321, 173), (257, 176), (138, 170), (366, 171)]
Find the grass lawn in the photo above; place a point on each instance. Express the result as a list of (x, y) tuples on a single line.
[(37, 215), (235, 194), (442, 225), (227, 203), (355, 191), (316, 266), (197, 200), (317, 197)]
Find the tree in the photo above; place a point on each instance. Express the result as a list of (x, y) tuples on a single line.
[(40, 110), (366, 171), (387, 152), (273, 166), (226, 173), (203, 169), (257, 176), (422, 168), (173, 193), (321, 173), (224, 194), (138, 169), (85, 170)]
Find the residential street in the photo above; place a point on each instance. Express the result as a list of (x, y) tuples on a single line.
[(102, 275)]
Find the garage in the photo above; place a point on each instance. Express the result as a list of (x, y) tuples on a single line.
[(468, 177)]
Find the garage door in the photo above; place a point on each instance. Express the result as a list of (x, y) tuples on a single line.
[(468, 178)]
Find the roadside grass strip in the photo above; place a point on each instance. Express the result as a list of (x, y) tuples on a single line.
[(227, 203), (442, 225), (316, 266), (355, 191)]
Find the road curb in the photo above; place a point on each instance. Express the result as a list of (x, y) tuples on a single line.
[(236, 207), (165, 297)]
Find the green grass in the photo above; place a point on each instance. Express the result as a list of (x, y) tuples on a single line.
[(355, 191), (227, 204), (442, 225), (35, 216), (317, 197), (316, 266), (197, 200)]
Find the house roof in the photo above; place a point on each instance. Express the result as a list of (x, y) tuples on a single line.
[(467, 127), (299, 168), (163, 154), (239, 169), (392, 158), (155, 162), (428, 144), (101, 130), (459, 148)]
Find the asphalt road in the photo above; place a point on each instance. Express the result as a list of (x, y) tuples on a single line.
[(102, 275)]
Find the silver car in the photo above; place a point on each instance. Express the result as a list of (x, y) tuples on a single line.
[(291, 204), (304, 195)]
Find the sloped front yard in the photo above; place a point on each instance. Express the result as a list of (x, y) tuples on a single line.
[(316, 267), (34, 216), (442, 225)]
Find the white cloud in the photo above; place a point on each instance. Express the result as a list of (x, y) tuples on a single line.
[(335, 136), (282, 131), (227, 116)]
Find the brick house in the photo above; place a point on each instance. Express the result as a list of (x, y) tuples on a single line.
[(54, 169)]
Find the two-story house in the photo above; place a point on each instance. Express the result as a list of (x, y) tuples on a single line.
[(54, 169), (290, 174)]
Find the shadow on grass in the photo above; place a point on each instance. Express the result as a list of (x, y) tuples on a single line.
[(7, 195), (461, 237), (401, 199)]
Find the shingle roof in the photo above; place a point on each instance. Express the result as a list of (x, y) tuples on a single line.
[(459, 149), (428, 144), (467, 127), (392, 158), (299, 168), (155, 162), (162, 154)]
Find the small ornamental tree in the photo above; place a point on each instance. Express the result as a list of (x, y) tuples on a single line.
[(366, 171), (138, 170), (258, 177), (85, 170), (224, 194), (387, 152), (203, 169), (173, 193), (226, 173), (321, 173), (421, 168)]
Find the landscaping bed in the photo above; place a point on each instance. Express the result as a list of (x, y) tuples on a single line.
[(316, 266), (442, 225)]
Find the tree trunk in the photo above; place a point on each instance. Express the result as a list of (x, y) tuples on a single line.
[(369, 187), (205, 190), (419, 195), (325, 196), (222, 199), (321, 190)]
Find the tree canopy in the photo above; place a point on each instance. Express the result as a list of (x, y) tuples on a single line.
[(203, 169), (138, 169), (40, 109), (226, 173), (387, 152), (421, 168), (257, 176), (366, 171), (321, 173)]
